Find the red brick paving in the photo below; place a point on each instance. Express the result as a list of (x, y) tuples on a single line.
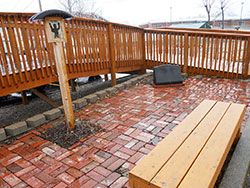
[(135, 120)]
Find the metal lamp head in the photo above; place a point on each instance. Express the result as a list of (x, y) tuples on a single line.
[(50, 13)]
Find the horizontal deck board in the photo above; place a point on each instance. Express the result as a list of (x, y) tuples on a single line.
[(207, 166), (178, 165), (145, 171)]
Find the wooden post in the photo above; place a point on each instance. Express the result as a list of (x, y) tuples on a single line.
[(24, 97), (185, 53), (72, 83), (106, 77), (112, 55), (143, 71), (246, 69), (55, 31)]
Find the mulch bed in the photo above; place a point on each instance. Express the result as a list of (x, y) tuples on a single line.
[(58, 133)]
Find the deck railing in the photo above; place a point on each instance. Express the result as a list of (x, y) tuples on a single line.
[(200, 52), (97, 47)]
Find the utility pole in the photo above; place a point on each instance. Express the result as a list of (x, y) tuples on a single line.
[(170, 14), (40, 5), (241, 10)]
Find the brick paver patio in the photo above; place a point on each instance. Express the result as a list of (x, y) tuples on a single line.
[(135, 120)]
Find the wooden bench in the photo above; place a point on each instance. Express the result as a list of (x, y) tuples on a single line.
[(192, 155)]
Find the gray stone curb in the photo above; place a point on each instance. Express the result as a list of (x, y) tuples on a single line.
[(101, 94), (2, 134), (16, 128), (40, 119), (91, 98), (52, 114), (36, 120), (120, 86), (80, 103), (111, 90), (62, 110)]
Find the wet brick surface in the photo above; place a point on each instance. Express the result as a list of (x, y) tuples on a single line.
[(135, 119)]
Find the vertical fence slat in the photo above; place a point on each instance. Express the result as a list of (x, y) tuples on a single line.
[(185, 53), (4, 60), (8, 50), (239, 59), (112, 54), (229, 56)]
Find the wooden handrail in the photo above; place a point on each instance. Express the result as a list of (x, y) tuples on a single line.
[(183, 31), (208, 30)]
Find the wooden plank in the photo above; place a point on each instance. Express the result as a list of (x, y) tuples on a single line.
[(178, 165), (229, 56), (69, 48), (160, 154), (246, 64), (207, 53), (182, 62), (24, 97), (76, 54), (8, 50), (185, 53), (199, 55), (221, 54), (82, 47), (44, 51), (191, 51), (239, 59), (45, 98), (207, 166), (203, 53), (112, 55), (104, 47), (15, 50), (211, 55), (100, 51), (38, 49), (170, 48), (78, 39), (21, 49), (196, 53), (234, 56), (216, 54), (86, 46), (5, 62), (178, 49)]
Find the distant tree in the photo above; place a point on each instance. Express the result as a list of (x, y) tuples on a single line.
[(223, 5), (208, 6), (79, 7)]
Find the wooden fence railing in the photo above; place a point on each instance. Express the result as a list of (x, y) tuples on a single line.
[(200, 52), (97, 47)]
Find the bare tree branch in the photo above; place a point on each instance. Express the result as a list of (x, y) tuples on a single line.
[(80, 8), (208, 4)]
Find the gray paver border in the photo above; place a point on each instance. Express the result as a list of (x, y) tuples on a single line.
[(26, 126)]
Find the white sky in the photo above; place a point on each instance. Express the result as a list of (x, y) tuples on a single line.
[(136, 12)]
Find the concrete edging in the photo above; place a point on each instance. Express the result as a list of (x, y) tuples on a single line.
[(53, 114)]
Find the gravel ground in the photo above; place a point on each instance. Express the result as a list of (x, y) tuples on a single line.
[(12, 110)]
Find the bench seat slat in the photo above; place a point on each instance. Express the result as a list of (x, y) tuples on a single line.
[(207, 166), (178, 165), (145, 171)]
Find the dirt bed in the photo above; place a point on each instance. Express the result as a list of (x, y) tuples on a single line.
[(58, 133), (12, 110)]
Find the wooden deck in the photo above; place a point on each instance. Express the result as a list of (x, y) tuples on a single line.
[(97, 47)]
